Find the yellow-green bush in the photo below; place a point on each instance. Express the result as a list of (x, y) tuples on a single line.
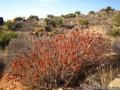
[(108, 9), (54, 22), (71, 15), (33, 17), (84, 22), (116, 19), (115, 31), (5, 37), (9, 25)]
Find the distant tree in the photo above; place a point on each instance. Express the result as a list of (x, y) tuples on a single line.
[(1, 21), (77, 13), (33, 17), (50, 16), (91, 12), (107, 9), (71, 15), (19, 18)]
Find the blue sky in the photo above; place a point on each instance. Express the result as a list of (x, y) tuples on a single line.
[(14, 8)]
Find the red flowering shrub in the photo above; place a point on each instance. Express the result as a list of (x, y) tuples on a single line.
[(58, 58)]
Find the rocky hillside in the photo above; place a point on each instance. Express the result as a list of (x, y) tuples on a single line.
[(67, 52)]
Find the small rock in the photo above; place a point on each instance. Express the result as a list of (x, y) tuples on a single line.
[(115, 83), (58, 89)]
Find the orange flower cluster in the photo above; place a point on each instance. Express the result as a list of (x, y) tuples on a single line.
[(57, 58)]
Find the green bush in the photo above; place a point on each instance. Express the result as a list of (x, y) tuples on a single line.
[(19, 18), (59, 21), (107, 9), (5, 37), (9, 25), (77, 13), (54, 22), (50, 21), (84, 22), (115, 32), (116, 19), (33, 17), (50, 16), (71, 15), (91, 12)]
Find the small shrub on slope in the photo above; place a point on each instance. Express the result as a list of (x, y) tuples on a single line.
[(116, 19), (5, 37), (115, 31), (84, 22)]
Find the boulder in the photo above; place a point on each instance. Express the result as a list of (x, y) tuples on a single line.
[(115, 83)]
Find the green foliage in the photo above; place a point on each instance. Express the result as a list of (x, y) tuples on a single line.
[(77, 13), (55, 22), (33, 17), (19, 18), (84, 22), (115, 32), (50, 16), (59, 21), (5, 37), (9, 25), (91, 12), (71, 15), (116, 19), (107, 9)]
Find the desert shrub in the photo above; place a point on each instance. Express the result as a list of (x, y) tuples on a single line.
[(18, 46), (77, 13), (107, 9), (10, 25), (84, 22), (91, 12), (59, 58), (33, 17), (70, 15), (116, 45), (5, 37), (19, 18), (48, 28), (116, 19), (38, 31), (115, 31), (68, 26), (50, 16), (54, 22)]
